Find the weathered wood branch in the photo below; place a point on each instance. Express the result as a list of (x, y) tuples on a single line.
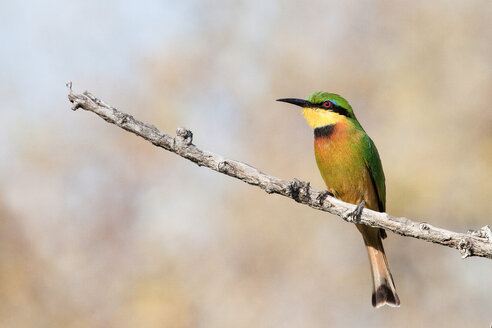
[(472, 243)]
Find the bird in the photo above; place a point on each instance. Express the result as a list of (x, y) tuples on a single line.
[(351, 168)]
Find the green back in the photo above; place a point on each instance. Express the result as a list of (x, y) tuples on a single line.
[(373, 164)]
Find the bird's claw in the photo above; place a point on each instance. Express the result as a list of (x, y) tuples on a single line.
[(354, 216), (322, 196)]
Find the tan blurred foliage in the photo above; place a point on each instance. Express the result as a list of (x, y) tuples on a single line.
[(100, 229)]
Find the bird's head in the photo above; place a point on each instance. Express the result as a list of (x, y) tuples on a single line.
[(323, 108)]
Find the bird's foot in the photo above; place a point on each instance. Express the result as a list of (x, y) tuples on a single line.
[(354, 216), (322, 196)]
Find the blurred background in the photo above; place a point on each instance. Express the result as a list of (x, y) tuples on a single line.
[(102, 229)]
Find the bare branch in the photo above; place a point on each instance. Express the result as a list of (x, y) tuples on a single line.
[(473, 243)]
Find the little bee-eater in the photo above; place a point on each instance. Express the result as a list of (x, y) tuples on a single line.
[(351, 169)]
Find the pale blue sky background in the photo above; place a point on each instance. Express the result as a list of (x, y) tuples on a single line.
[(48, 41)]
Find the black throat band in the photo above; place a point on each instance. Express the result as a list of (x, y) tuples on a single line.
[(324, 131)]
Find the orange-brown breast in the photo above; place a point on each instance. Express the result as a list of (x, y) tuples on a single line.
[(342, 164)]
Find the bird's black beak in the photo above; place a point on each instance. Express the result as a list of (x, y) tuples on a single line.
[(295, 101)]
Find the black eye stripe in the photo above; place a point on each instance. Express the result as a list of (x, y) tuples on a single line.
[(340, 110), (334, 108)]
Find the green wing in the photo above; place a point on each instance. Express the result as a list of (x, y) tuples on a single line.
[(373, 164)]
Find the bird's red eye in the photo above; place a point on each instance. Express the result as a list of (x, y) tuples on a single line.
[(327, 104)]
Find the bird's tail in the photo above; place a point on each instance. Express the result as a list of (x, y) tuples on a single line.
[(384, 291)]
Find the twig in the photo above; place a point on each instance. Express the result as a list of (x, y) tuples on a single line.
[(473, 243)]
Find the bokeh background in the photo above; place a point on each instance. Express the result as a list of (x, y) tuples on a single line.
[(102, 229)]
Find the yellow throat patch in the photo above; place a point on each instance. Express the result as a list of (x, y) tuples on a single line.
[(317, 117)]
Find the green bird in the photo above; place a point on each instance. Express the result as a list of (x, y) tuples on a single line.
[(351, 169)]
